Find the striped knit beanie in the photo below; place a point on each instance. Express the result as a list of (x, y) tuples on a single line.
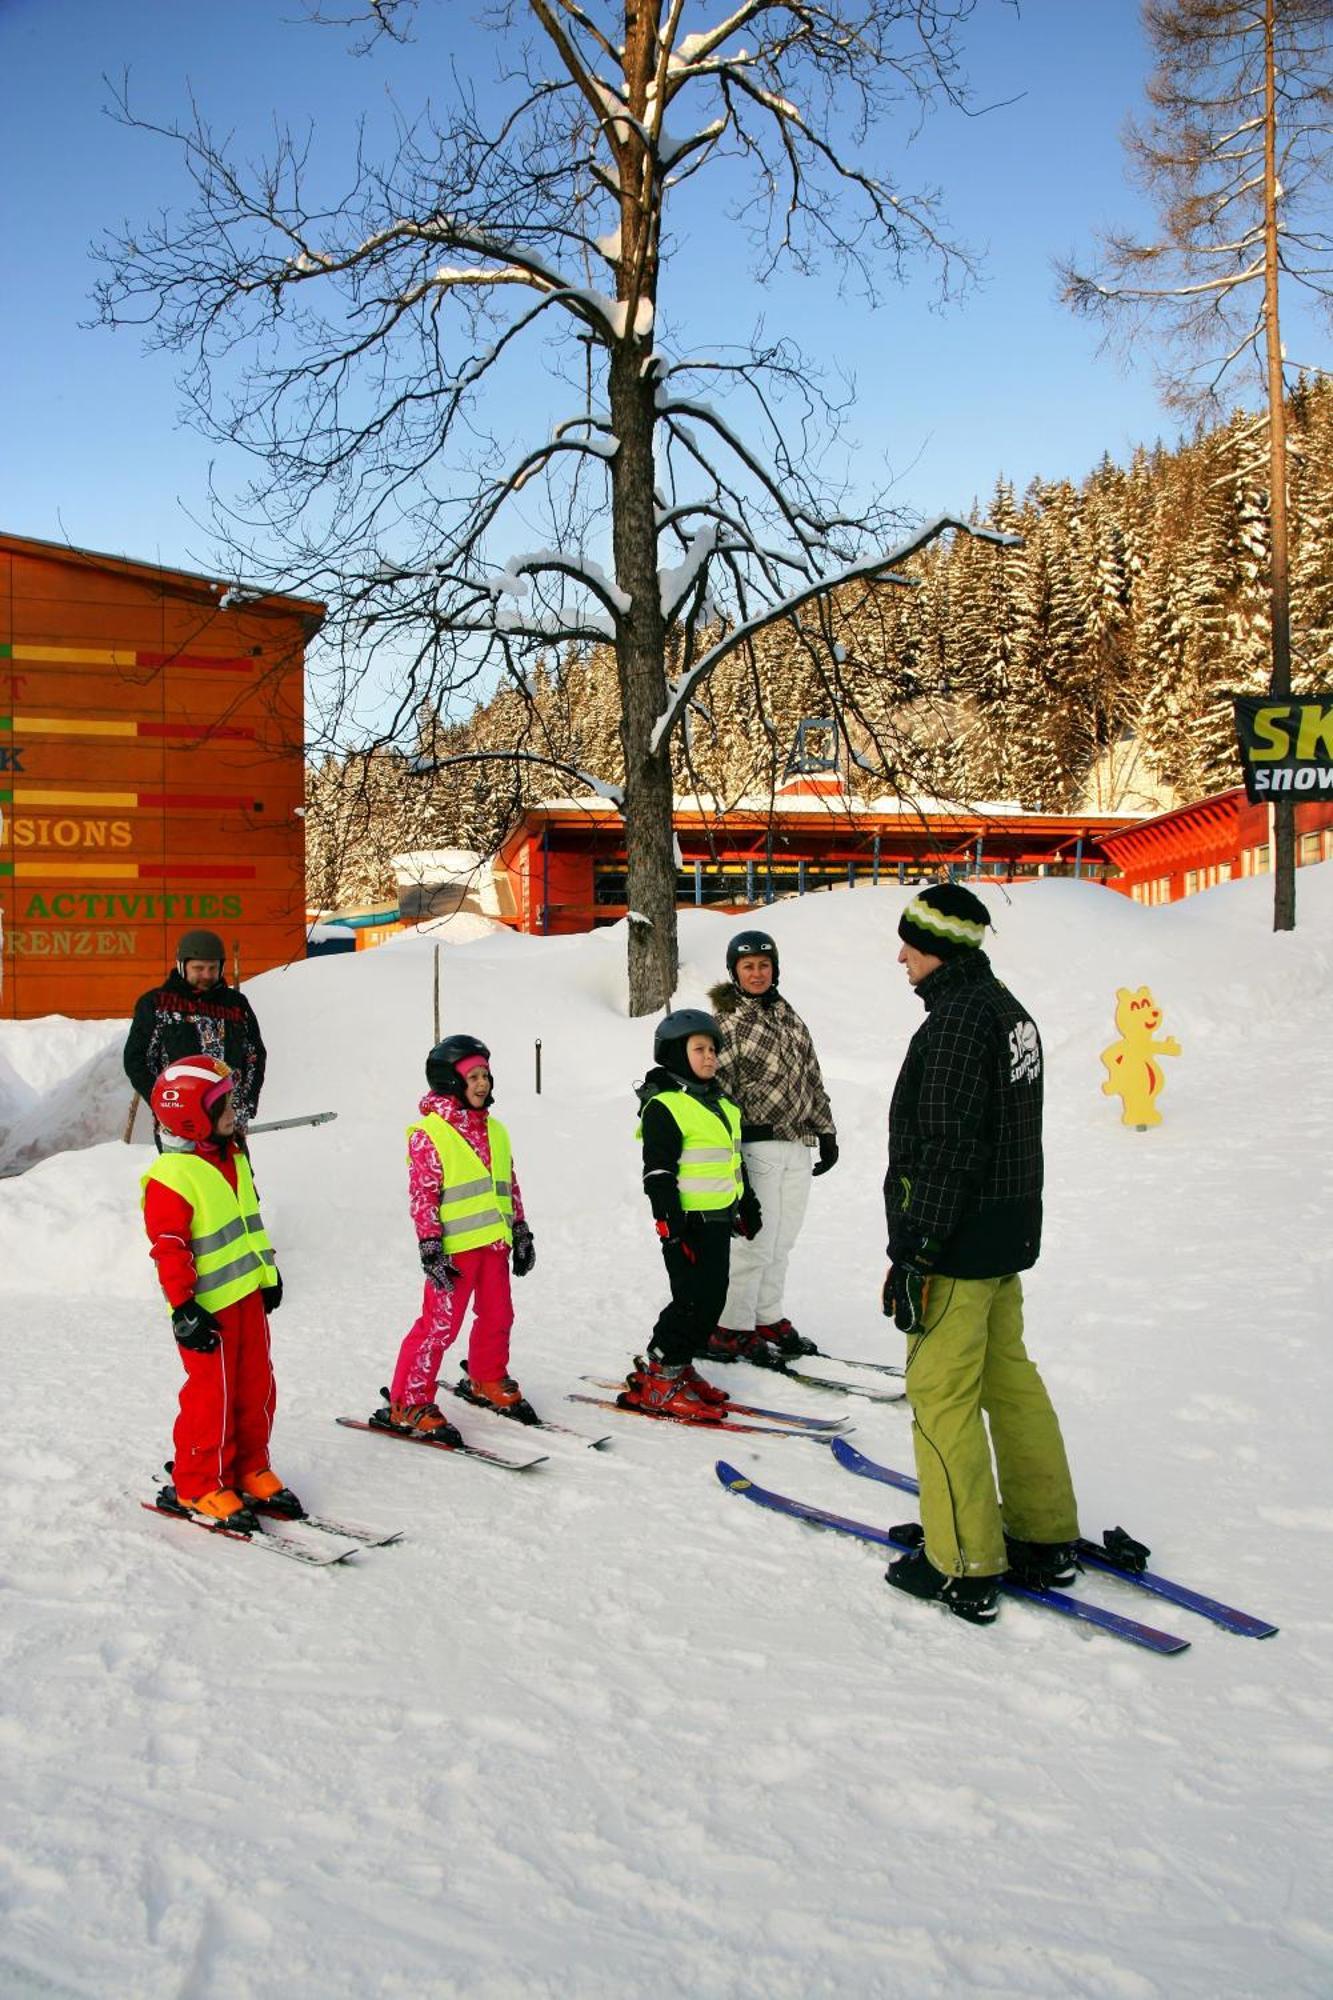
[(945, 919)]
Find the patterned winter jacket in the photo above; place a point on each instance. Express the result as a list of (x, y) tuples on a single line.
[(965, 1159), (173, 1021), (767, 1064)]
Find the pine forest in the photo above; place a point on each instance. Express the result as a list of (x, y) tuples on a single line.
[(1135, 608)]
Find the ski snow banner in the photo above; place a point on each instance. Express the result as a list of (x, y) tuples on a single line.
[(1286, 745)]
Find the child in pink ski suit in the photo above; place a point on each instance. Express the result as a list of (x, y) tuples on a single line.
[(467, 1211)]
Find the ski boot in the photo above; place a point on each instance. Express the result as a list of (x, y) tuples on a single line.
[(222, 1509), (975, 1598), (266, 1494), (791, 1345), (1041, 1565), (417, 1419), (707, 1391), (503, 1397), (727, 1344), (660, 1391)]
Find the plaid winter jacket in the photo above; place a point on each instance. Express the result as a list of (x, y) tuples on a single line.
[(173, 1021), (965, 1161), (767, 1064)]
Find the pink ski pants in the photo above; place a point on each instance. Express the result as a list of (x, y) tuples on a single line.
[(483, 1279)]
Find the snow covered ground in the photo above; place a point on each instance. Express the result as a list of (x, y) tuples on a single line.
[(603, 1729)]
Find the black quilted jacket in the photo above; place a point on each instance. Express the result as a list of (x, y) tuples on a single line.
[(173, 1020)]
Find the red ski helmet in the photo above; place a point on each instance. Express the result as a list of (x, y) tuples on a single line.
[(188, 1093)]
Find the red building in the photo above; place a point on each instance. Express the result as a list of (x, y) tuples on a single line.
[(1178, 853), (563, 866)]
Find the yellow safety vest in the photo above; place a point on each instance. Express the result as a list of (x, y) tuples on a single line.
[(709, 1175), (232, 1254), (476, 1201)]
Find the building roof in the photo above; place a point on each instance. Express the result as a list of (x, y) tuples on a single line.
[(184, 583)]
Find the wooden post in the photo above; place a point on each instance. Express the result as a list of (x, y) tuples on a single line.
[(236, 962), (133, 1114), (437, 992)]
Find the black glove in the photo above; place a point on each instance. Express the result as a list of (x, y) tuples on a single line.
[(195, 1327), (440, 1270), (272, 1294), (904, 1297), (675, 1242), (524, 1253), (828, 1155), (748, 1219)]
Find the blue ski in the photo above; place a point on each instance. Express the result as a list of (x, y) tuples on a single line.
[(1225, 1615), (1052, 1600)]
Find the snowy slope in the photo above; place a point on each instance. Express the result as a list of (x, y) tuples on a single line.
[(603, 1730)]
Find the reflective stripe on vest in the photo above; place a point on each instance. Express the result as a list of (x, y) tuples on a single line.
[(476, 1207), (709, 1175), (232, 1254)]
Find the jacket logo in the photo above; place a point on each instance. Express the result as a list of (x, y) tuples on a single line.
[(1024, 1053)]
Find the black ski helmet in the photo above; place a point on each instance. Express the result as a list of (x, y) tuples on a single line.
[(673, 1033), (441, 1064), (751, 944)]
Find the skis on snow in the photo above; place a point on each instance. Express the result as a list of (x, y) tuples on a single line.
[(1092, 1555), (816, 1435), (1111, 1622), (507, 1461), (877, 1381), (279, 1541), (790, 1419)]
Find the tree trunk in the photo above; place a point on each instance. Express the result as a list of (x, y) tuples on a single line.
[(641, 669), (1284, 812)]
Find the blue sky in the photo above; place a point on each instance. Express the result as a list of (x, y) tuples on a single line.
[(1006, 382)]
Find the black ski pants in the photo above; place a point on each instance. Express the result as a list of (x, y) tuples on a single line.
[(697, 1268)]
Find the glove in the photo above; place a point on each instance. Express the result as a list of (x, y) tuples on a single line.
[(904, 1297), (195, 1328), (439, 1269), (272, 1294), (748, 1219), (524, 1252), (673, 1240), (828, 1155)]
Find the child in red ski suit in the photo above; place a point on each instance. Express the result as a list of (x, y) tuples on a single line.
[(467, 1210), (216, 1267)]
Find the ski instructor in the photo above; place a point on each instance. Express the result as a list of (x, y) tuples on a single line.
[(195, 1013), (962, 1198)]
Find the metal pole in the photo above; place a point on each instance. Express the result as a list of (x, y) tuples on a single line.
[(236, 961), (749, 881), (437, 992), (537, 1060), (698, 883), (874, 864)]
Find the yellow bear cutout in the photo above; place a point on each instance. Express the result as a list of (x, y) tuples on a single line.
[(1132, 1072)]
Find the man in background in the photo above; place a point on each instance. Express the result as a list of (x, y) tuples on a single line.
[(195, 1012)]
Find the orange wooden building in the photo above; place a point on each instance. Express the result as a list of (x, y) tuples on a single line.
[(563, 866), (151, 775), (1194, 847)]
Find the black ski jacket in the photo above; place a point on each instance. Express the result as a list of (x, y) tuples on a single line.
[(963, 1189), (173, 1021)]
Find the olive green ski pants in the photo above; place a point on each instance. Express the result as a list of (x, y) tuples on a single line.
[(970, 1360)]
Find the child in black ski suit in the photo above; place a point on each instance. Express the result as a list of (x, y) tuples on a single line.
[(695, 1181)]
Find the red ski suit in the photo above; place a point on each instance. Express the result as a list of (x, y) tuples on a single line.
[(228, 1397)]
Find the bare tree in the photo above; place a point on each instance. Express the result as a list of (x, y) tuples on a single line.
[(1236, 152), (364, 350)]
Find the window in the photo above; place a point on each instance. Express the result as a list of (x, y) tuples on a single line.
[(1308, 849)]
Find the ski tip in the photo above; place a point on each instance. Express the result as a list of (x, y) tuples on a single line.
[(735, 1482)]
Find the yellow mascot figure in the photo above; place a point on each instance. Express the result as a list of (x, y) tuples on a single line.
[(1133, 1073)]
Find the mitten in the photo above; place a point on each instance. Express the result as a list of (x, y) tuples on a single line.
[(195, 1328), (439, 1269), (272, 1294), (524, 1252), (828, 1154)]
